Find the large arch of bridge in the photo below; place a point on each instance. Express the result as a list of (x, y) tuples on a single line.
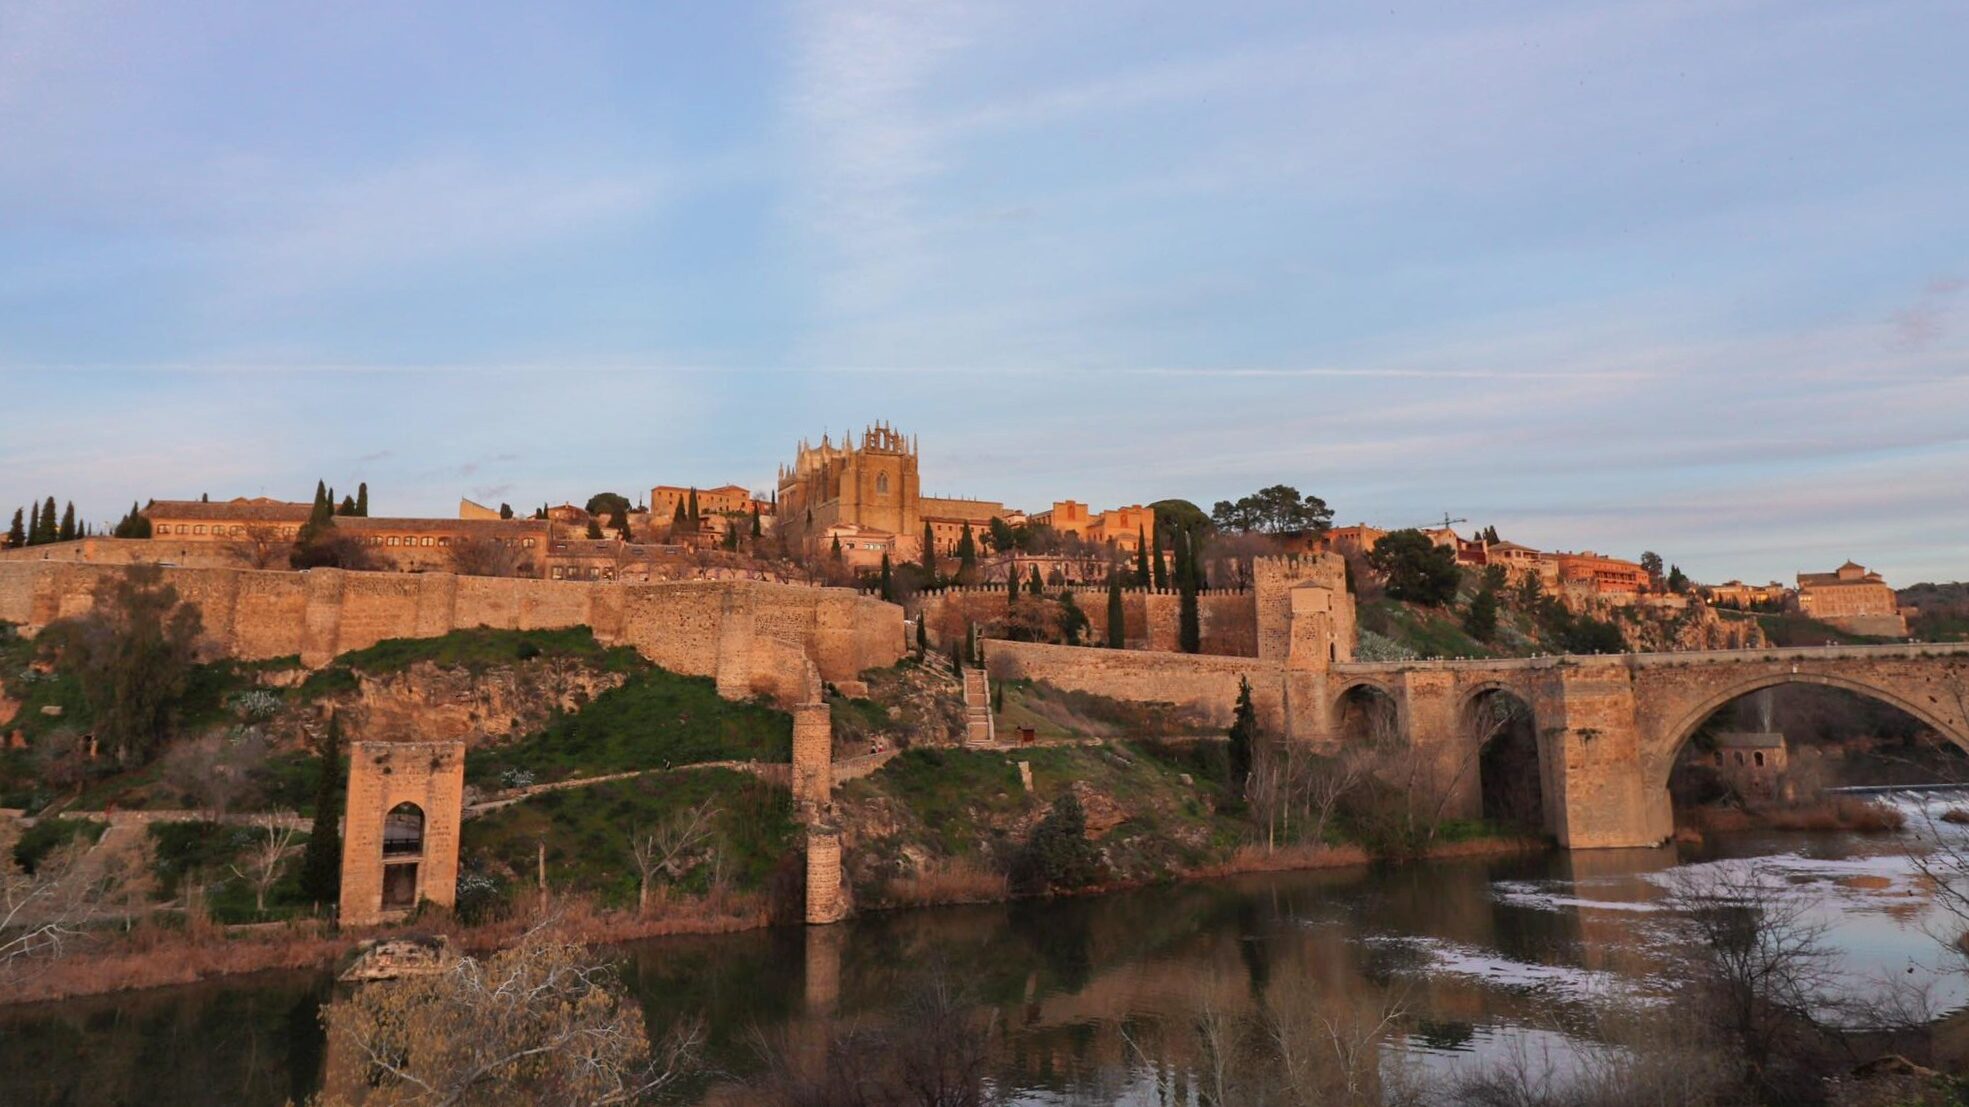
[(1684, 728)]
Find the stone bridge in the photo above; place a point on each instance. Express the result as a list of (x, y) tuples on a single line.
[(1608, 728)]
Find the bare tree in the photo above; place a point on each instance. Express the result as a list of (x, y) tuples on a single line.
[(44, 912), (671, 849), (266, 546), (542, 1023), (215, 771), (489, 557), (268, 857)]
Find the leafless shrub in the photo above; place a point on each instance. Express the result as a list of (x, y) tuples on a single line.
[(672, 849), (45, 913), (215, 771), (267, 858), (489, 557)]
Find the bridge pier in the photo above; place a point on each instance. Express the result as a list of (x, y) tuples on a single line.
[(1590, 747)]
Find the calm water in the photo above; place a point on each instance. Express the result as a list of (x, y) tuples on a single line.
[(1487, 957)]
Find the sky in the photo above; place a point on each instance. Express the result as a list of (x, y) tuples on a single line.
[(1689, 277)]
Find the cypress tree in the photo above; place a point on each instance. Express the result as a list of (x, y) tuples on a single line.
[(836, 554), (1116, 630), (320, 494), (1189, 635), (888, 585), (967, 554), (695, 518), (347, 506), (321, 865), (1243, 735), (1155, 559), (929, 550), (922, 635), (1012, 578), (362, 503), (505, 510), (759, 531), (1141, 559), (67, 531), (594, 529), (48, 528), (1034, 585), (680, 521), (17, 532)]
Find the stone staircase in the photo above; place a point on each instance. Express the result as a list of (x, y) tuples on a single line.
[(979, 729)]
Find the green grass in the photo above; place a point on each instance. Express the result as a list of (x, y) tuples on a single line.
[(484, 647), (48, 835), (656, 718), (1429, 631), (948, 790), (1794, 629), (588, 832)]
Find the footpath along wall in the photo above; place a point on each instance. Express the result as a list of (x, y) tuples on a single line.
[(751, 635)]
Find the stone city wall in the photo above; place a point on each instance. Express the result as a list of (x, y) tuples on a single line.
[(694, 627), (1207, 685), (1150, 620)]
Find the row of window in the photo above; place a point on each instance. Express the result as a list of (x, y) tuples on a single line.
[(426, 540), (574, 572), (236, 530)]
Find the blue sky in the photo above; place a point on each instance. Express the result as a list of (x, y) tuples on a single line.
[(1691, 277)]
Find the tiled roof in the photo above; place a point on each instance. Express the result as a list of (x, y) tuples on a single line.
[(259, 509)]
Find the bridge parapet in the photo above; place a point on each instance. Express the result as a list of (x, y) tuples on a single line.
[(1890, 651)]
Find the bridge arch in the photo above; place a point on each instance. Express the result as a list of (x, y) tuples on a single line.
[(1513, 773), (1686, 724), (1367, 712)]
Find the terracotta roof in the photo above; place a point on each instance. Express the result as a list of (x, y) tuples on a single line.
[(259, 509)]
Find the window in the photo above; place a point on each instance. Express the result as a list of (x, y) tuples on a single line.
[(199, 529), (528, 543), (1759, 755), (881, 484), (393, 539), (403, 831), (557, 572), (427, 540)]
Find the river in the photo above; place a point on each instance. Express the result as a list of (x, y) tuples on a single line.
[(1095, 998)]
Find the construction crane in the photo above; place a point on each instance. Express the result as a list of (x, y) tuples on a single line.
[(1445, 524)]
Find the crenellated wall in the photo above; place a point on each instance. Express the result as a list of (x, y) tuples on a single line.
[(766, 637)]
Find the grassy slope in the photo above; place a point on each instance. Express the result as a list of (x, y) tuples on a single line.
[(658, 718), (588, 832)]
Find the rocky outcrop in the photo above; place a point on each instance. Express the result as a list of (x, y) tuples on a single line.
[(1665, 630), (428, 703)]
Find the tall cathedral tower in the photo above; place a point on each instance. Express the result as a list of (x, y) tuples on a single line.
[(874, 485)]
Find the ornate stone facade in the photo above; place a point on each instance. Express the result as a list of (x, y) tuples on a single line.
[(876, 487)]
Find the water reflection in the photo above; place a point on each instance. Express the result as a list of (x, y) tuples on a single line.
[(1096, 1000)]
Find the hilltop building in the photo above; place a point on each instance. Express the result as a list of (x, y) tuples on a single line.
[(875, 487), (1122, 527), (1852, 598)]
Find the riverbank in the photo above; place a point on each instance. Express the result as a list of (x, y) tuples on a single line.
[(152, 956)]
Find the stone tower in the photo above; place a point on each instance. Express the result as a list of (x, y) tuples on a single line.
[(400, 828), (1305, 613)]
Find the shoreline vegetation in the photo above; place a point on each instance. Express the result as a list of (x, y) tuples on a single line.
[(154, 956)]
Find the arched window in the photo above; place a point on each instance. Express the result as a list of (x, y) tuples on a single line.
[(881, 484), (1759, 755), (403, 831)]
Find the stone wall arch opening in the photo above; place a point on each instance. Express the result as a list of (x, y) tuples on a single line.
[(1510, 771), (1779, 743), (403, 851), (1367, 716)]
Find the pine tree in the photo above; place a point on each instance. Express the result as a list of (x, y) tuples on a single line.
[(1141, 559), (362, 502), (929, 550), (1481, 619), (17, 532), (67, 532), (888, 584), (1243, 735), (321, 864), (347, 506), (1117, 636), (1155, 560), (1034, 585)]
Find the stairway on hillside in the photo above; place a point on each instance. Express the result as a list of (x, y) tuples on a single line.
[(978, 729)]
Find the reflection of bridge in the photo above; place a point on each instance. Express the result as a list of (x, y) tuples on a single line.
[(1608, 728)]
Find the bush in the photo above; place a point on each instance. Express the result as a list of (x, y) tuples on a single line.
[(48, 835), (1058, 856)]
